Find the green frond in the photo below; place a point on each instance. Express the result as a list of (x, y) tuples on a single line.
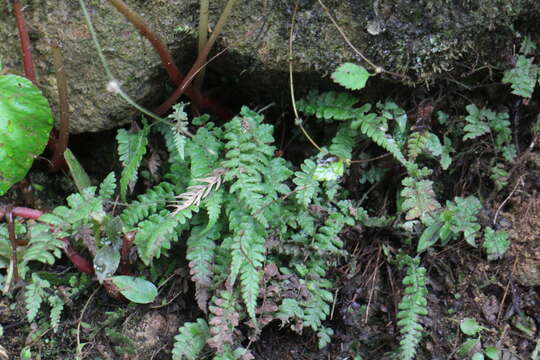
[(57, 305), (107, 187), (420, 201), (307, 187), (190, 340), (131, 149), (331, 105), (34, 296), (213, 204), (522, 77), (43, 246), (343, 142), (248, 256), (201, 246), (151, 202), (326, 238), (460, 216), (411, 307), (375, 127), (156, 233)]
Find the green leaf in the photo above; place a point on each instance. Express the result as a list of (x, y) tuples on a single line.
[(522, 77), (135, 289), (470, 327), (492, 352), (191, 340), (106, 262), (429, 236), (478, 356), (467, 346), (351, 76), (80, 177), (496, 243), (329, 169), (25, 123)]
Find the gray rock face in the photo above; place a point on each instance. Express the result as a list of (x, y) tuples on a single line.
[(420, 38)]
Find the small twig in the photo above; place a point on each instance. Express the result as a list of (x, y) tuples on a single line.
[(28, 64), (506, 290), (518, 182), (378, 69), (78, 355), (60, 145), (297, 119)]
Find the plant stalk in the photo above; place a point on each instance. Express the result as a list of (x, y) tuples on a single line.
[(58, 161), (203, 37), (28, 64)]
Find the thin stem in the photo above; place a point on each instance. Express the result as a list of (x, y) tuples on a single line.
[(378, 69), (297, 120), (58, 160), (200, 59), (203, 37), (28, 64)]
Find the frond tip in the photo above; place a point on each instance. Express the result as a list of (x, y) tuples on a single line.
[(196, 193)]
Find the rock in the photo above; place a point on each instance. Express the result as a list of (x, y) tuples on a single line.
[(422, 39)]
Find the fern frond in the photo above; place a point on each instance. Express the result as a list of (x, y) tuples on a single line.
[(107, 187), (153, 201), (327, 239), (196, 193), (57, 305), (420, 201), (157, 232), (343, 142), (201, 245), (317, 307), (411, 307), (307, 186), (522, 77), (248, 257), (190, 340), (331, 105), (34, 295), (416, 144), (131, 149), (375, 127), (213, 204), (224, 319), (43, 246)]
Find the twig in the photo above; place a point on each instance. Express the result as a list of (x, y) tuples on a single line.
[(378, 69), (297, 119), (78, 355), (28, 64)]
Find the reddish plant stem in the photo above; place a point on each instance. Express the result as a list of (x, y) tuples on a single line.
[(199, 62), (80, 262), (58, 162), (28, 64), (13, 240), (169, 65), (23, 212), (125, 264)]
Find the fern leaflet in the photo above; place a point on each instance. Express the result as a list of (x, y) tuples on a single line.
[(190, 340), (131, 149)]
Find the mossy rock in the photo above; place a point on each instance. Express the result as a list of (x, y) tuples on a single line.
[(421, 39)]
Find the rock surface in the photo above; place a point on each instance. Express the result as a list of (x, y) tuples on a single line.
[(420, 38)]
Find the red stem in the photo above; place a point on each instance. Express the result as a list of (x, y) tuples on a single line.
[(125, 264), (169, 65), (25, 42), (80, 262), (13, 240)]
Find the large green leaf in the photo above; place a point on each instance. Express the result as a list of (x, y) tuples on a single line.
[(25, 123)]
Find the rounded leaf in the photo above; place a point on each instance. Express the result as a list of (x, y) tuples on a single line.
[(135, 289), (351, 76), (25, 123), (469, 326)]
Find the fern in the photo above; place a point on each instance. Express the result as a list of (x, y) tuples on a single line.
[(191, 340), (224, 319), (248, 256), (131, 149), (43, 246), (156, 233), (307, 187), (153, 201), (57, 305), (200, 253), (331, 106), (107, 187), (522, 77), (420, 201), (34, 295), (411, 307)]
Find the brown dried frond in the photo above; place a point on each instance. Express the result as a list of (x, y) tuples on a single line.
[(196, 193)]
